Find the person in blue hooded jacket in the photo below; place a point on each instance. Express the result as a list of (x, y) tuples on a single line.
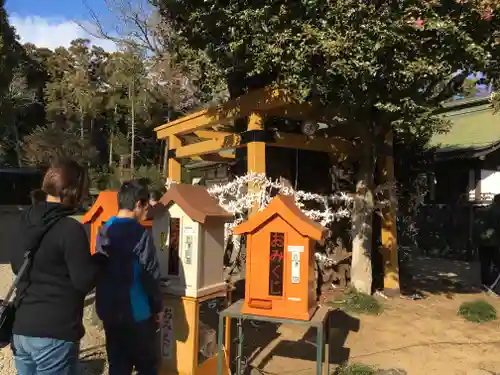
[(128, 297)]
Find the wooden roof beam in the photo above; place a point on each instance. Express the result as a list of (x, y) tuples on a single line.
[(258, 100), (219, 157), (208, 147), (338, 146), (342, 148), (209, 134)]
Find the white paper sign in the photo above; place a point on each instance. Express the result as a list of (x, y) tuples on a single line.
[(188, 230), (295, 267), (298, 249), (167, 333), (188, 248)]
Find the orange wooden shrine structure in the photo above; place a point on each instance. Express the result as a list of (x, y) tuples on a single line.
[(211, 135), (105, 207), (280, 279)]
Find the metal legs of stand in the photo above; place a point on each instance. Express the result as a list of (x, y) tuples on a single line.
[(322, 346), (320, 343), (239, 350), (220, 345)]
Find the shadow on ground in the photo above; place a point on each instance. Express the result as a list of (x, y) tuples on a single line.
[(264, 341), (91, 366), (439, 276)]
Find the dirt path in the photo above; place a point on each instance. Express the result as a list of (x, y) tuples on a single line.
[(421, 337), (427, 337)]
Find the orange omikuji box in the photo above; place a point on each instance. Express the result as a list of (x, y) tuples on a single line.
[(104, 208), (280, 277)]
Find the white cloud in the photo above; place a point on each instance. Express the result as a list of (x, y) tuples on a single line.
[(53, 33)]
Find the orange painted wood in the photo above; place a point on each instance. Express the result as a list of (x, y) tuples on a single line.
[(104, 208), (297, 299)]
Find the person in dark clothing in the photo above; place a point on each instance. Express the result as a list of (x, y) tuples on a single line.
[(154, 197), (50, 298), (128, 297), (488, 241), (37, 196)]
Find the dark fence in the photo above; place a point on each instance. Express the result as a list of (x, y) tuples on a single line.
[(446, 231)]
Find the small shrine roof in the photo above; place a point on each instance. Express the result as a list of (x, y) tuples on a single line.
[(195, 202), (105, 207), (285, 207), (106, 202)]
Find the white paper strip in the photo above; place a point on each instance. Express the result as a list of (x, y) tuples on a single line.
[(299, 249), (167, 333), (295, 267)]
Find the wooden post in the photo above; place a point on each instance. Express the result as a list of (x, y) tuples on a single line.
[(164, 161), (389, 228), (174, 165), (227, 331), (256, 153)]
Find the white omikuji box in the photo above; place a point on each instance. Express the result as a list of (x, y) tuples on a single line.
[(188, 231)]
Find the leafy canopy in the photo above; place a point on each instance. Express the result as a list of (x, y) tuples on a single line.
[(9, 50), (377, 61)]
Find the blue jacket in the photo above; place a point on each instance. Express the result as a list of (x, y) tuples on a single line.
[(128, 286)]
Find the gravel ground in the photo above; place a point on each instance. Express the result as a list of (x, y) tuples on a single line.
[(92, 357)]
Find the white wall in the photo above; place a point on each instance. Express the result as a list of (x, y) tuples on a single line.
[(489, 185)]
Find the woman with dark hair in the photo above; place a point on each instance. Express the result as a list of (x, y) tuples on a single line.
[(50, 297)]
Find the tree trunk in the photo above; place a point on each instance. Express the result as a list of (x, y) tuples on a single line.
[(165, 151), (81, 123), (18, 145), (132, 130), (111, 139), (361, 266), (110, 156), (165, 157)]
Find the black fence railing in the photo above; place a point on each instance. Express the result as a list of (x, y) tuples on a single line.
[(444, 230)]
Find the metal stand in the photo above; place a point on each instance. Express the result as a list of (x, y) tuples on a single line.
[(319, 321)]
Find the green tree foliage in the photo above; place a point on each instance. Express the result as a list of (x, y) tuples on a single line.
[(9, 50), (18, 100), (15, 93), (186, 78), (109, 101), (84, 84), (46, 143), (371, 59)]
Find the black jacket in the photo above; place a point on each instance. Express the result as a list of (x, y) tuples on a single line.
[(51, 296)]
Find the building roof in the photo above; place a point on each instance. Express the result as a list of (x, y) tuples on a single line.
[(474, 127), (285, 207), (194, 201)]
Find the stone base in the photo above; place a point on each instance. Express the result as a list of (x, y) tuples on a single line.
[(392, 292)]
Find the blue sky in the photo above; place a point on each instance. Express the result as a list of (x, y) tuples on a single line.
[(53, 23), (69, 9)]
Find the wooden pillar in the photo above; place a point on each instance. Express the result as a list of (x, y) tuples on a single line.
[(256, 153), (389, 228), (174, 165)]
